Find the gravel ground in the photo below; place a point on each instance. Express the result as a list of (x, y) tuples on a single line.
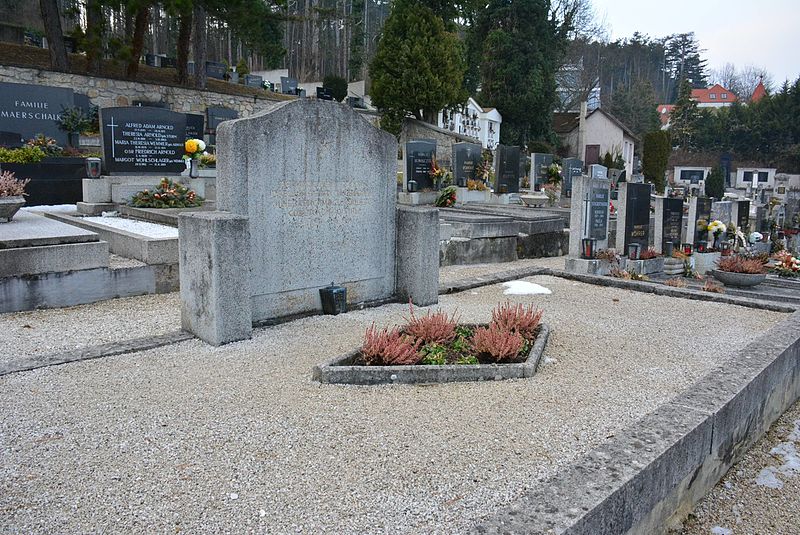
[(46, 331), (450, 274), (761, 494), (239, 439)]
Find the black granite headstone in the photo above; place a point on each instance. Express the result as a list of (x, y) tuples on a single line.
[(637, 216), (253, 80), (34, 109), (703, 213), (598, 213), (195, 126), (571, 168), (217, 70), (672, 222), (143, 140), (506, 179), (743, 215), (725, 160), (539, 164), (11, 139), (324, 93), (467, 157), (152, 60), (167, 62), (217, 114), (419, 157), (288, 85)]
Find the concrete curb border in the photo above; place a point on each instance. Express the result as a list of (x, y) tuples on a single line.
[(337, 370), (651, 474), (94, 352)]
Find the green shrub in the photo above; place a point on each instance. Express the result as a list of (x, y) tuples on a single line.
[(337, 85), (715, 183), (21, 155), (657, 149)]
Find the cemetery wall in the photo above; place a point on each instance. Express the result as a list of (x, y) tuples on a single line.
[(106, 92), (414, 129)]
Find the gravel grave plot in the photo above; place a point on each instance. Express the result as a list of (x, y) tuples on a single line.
[(240, 439), (52, 330), (142, 228), (761, 493), (451, 274)]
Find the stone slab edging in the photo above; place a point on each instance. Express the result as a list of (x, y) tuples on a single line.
[(337, 370), (94, 352), (650, 475)]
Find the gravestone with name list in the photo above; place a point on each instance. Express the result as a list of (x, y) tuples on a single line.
[(217, 114), (699, 211), (589, 213), (468, 158), (140, 142), (633, 216), (419, 159), (668, 223), (539, 164), (570, 169), (506, 178)]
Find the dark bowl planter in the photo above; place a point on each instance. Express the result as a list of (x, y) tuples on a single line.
[(741, 280), (10, 206)]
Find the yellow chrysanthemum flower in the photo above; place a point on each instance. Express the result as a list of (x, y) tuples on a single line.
[(191, 146)]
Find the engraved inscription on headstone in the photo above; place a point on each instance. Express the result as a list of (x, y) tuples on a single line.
[(539, 164), (288, 85), (253, 80), (506, 169), (419, 158), (195, 126), (637, 215), (598, 171), (34, 109), (570, 168), (216, 70), (467, 157), (217, 114), (143, 140), (598, 213), (703, 213), (672, 222)]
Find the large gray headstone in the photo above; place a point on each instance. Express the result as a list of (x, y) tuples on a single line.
[(589, 213), (318, 183), (571, 168)]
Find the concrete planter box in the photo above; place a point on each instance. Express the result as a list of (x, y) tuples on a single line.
[(340, 370), (54, 180), (673, 266), (646, 267), (742, 280), (10, 206), (464, 195), (705, 262), (585, 266)]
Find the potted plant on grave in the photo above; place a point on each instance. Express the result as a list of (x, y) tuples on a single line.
[(168, 194), (12, 192), (194, 151), (737, 270), (651, 261), (439, 175)]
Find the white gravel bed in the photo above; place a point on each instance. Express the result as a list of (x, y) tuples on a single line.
[(761, 493), (143, 228), (46, 331), (52, 208), (239, 439)]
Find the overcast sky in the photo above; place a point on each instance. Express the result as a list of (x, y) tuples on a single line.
[(765, 33)]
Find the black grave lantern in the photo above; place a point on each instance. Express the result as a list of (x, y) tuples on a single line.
[(588, 246), (412, 186), (633, 251), (334, 299)]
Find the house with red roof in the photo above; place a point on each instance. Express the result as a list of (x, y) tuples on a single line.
[(759, 92), (715, 96)]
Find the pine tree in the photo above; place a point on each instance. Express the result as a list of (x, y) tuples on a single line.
[(636, 107), (684, 117), (656, 157), (418, 68), (521, 48)]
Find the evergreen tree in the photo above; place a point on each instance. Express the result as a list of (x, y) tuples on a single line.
[(715, 184), (656, 157), (682, 59), (684, 117), (418, 68), (636, 107), (521, 48), (337, 85)]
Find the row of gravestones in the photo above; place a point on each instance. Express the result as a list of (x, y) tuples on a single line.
[(591, 209), (147, 138), (468, 159)]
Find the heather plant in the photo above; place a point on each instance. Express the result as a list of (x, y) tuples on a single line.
[(10, 186), (711, 286), (388, 347), (496, 344), (739, 264), (432, 328), (517, 318), (676, 282), (647, 254)]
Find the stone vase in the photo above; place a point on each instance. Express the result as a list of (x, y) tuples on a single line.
[(10, 206), (742, 280)]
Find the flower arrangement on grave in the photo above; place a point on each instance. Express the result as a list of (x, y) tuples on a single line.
[(553, 173), (47, 145), (741, 264), (440, 175), (10, 186), (194, 149), (446, 197), (717, 227), (168, 194), (551, 190), (437, 339), (476, 185), (611, 208), (648, 254), (702, 225), (787, 265)]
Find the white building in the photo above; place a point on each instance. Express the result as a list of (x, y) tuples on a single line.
[(482, 124), (755, 177)]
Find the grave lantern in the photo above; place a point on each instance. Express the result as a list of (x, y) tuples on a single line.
[(701, 246), (687, 248), (334, 299), (668, 247), (93, 167), (412, 186), (588, 246), (633, 251)]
